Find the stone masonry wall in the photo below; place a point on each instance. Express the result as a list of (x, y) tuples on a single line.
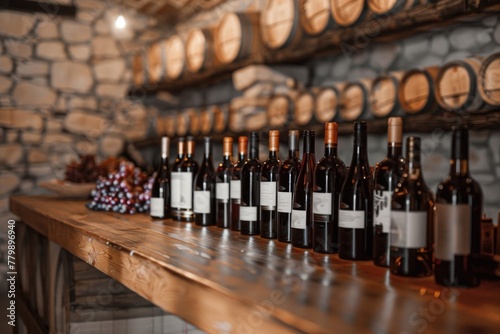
[(63, 87)]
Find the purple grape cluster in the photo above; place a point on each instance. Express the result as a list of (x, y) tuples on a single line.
[(127, 190)]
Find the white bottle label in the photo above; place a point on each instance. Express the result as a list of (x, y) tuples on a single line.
[(157, 207), (299, 219), (222, 191), (175, 189), (409, 229), (235, 189), (201, 201), (322, 203), (382, 209), (284, 202), (248, 213), (268, 194), (452, 233), (186, 191), (351, 219)]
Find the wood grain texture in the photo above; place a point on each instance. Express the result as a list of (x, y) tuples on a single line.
[(218, 279)]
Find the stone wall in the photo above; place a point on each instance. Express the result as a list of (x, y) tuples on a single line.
[(63, 87)]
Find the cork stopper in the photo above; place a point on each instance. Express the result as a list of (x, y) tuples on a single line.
[(331, 133), (274, 140), (242, 144), (395, 130), (227, 146)]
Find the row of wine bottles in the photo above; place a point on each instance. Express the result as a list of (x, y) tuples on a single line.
[(390, 217)]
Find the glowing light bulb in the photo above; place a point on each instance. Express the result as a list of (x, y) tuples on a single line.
[(120, 22)]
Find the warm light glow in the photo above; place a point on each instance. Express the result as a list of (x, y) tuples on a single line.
[(120, 22)]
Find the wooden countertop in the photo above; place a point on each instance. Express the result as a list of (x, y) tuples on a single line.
[(223, 282)]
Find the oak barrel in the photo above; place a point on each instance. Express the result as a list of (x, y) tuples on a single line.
[(139, 69), (457, 86), (280, 26), (169, 125), (199, 50), (327, 104), (315, 16), (489, 80), (221, 117), (206, 121), (182, 123), (155, 63), (175, 57), (416, 90), (390, 7), (355, 100), (347, 13), (384, 95), (278, 111), (236, 37), (303, 108)]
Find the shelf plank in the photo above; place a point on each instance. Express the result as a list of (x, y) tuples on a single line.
[(342, 42), (218, 279)]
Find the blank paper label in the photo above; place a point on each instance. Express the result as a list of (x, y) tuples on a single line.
[(299, 219), (201, 201), (157, 207), (235, 189), (322, 203), (409, 229), (222, 191), (452, 230), (268, 194), (284, 202), (175, 189), (382, 209), (186, 191), (248, 213), (351, 219)]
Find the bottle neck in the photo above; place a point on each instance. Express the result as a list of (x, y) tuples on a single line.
[(330, 150), (273, 154), (164, 161), (293, 154), (414, 167), (394, 150), (227, 157), (459, 167), (242, 156), (459, 163)]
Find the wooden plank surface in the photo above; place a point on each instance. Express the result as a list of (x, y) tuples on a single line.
[(222, 281)]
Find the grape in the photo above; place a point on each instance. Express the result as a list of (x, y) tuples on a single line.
[(127, 190)]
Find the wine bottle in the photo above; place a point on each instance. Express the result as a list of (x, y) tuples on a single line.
[(160, 194), (356, 203), (287, 178), (457, 228), (302, 212), (175, 181), (411, 219), (189, 168), (269, 187), (329, 175), (236, 183), (250, 189), (223, 186), (204, 188), (387, 175)]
